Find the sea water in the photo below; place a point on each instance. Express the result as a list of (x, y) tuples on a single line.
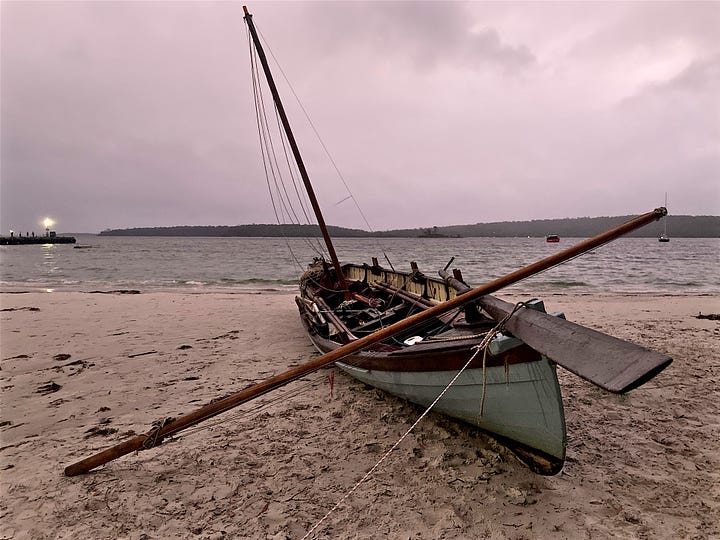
[(626, 266)]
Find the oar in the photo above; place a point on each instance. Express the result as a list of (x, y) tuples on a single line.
[(611, 363), (141, 442)]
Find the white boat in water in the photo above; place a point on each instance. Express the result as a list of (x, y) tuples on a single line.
[(664, 236)]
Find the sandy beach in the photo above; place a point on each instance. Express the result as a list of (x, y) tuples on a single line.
[(83, 371)]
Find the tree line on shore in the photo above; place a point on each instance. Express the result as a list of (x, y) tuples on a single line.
[(677, 227)]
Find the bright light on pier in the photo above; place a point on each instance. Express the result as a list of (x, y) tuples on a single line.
[(47, 222)]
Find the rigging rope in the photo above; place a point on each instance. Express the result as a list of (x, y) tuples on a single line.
[(272, 157), (267, 149), (327, 152), (300, 193), (291, 169)]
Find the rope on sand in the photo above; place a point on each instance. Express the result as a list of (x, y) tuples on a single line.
[(480, 347)]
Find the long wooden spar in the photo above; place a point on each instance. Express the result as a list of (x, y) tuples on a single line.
[(243, 396)]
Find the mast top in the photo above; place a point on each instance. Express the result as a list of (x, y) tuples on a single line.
[(296, 152)]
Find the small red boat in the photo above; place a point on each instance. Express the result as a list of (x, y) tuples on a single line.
[(552, 238)]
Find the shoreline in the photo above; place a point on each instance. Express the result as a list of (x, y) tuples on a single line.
[(288, 289), (643, 464)]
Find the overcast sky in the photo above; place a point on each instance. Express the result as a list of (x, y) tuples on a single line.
[(126, 114)]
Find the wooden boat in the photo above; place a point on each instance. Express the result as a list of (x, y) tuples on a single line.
[(512, 392), (419, 338)]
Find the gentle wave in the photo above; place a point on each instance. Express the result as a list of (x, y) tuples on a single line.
[(564, 284)]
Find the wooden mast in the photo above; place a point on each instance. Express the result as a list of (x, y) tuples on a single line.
[(295, 150), (146, 441)]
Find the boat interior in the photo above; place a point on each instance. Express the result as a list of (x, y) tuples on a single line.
[(379, 297)]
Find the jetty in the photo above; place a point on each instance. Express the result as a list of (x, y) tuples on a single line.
[(50, 238)]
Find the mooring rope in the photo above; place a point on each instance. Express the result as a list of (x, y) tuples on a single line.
[(437, 339), (482, 346), (484, 383), (152, 437), (327, 152), (394, 446)]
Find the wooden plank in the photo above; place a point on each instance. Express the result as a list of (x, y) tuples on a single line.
[(346, 336), (613, 364)]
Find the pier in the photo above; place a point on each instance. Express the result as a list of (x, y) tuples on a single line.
[(50, 238)]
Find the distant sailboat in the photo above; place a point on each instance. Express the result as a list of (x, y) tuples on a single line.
[(664, 237)]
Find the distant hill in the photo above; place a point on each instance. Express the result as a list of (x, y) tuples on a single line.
[(291, 231), (677, 226)]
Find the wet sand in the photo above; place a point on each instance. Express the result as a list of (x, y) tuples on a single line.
[(80, 372)]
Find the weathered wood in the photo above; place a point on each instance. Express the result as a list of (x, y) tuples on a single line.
[(613, 364), (414, 299), (417, 301), (277, 381), (460, 286), (345, 334)]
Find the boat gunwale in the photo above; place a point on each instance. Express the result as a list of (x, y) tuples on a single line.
[(425, 355), (447, 357)]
